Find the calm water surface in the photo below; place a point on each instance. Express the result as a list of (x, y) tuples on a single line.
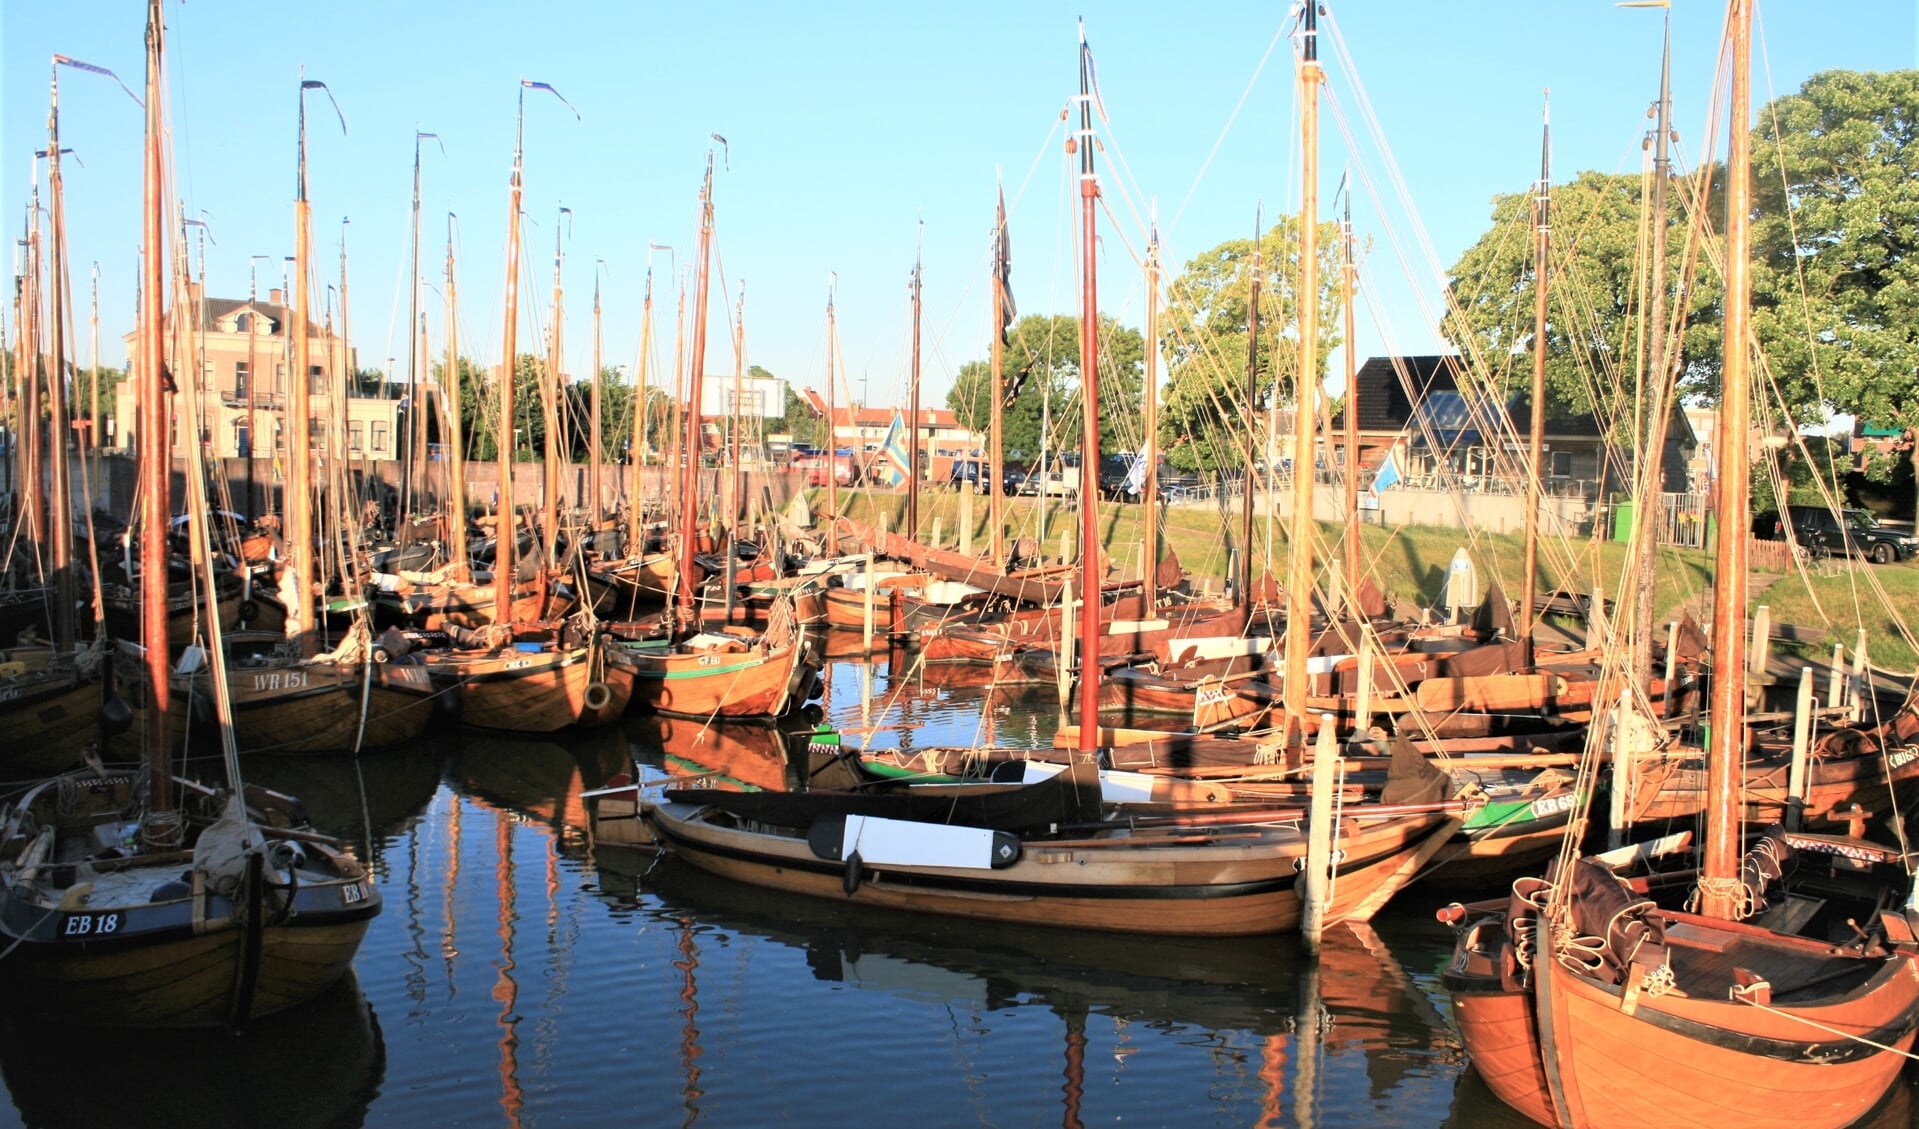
[(520, 978)]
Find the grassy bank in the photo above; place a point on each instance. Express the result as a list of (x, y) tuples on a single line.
[(1411, 563)]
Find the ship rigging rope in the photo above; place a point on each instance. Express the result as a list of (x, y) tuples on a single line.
[(1827, 1028)]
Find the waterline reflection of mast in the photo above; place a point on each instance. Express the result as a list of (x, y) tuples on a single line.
[(506, 989), (690, 1052)]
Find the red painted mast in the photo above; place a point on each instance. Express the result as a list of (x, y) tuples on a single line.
[(1089, 391)]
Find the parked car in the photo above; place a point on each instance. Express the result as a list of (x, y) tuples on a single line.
[(1115, 474), (971, 474), (1012, 480), (1849, 532), (1058, 479)]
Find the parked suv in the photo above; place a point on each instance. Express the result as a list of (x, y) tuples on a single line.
[(971, 474), (1850, 532)]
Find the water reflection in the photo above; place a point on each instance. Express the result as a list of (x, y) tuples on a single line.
[(1266, 1019), (318, 1065)]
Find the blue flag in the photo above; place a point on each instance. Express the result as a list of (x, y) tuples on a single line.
[(1388, 474), (895, 464)]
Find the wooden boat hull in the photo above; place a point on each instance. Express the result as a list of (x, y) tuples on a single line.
[(439, 606), (50, 714), (517, 691), (1205, 703), (1705, 1061), (846, 607), (610, 693), (174, 939), (186, 979), (619, 588), (324, 707), (183, 624), (758, 680), (1497, 1026), (1676, 789), (1226, 886)]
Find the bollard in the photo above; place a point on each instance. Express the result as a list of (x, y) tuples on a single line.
[(1801, 749), (1318, 883)]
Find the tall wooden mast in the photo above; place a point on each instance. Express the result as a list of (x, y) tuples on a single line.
[(1536, 434), (636, 432), (1089, 571), (1002, 321), (299, 437), (1719, 882), (31, 377), (735, 423), (60, 523), (1658, 373), (832, 440), (594, 424), (1299, 575), (505, 525), (505, 521), (1149, 481), (690, 473), (552, 504), (913, 407), (155, 437), (1243, 580), (415, 375), (455, 441), (1349, 275)]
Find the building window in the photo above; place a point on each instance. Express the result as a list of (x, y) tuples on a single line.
[(279, 436), (316, 380), (279, 377), (242, 378), (243, 323), (355, 435), (242, 439), (379, 437), (316, 435), (1562, 464)]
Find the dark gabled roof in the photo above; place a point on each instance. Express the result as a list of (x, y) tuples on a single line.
[(1390, 387)]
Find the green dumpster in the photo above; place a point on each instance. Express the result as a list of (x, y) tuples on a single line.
[(1622, 519)]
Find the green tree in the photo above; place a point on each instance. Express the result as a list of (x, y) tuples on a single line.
[(1835, 278), (1042, 379), (84, 381), (1204, 414), (480, 409), (1595, 299), (616, 417)]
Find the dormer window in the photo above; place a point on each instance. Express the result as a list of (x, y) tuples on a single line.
[(243, 323)]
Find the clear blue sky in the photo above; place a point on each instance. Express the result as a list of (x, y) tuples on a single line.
[(848, 124)]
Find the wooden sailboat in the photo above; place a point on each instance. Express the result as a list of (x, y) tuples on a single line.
[(520, 674), (55, 697), (1584, 1003), (118, 904), (288, 696), (732, 672)]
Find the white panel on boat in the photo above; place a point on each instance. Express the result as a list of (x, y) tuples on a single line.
[(900, 842)]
